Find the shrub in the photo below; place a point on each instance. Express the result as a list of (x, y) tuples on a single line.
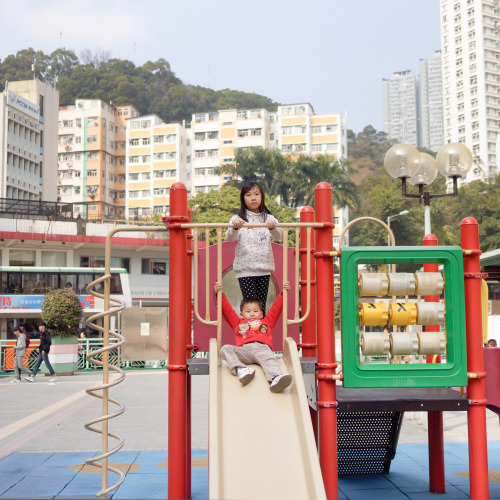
[(62, 311)]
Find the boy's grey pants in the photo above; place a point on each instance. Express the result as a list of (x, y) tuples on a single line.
[(18, 365), (253, 352)]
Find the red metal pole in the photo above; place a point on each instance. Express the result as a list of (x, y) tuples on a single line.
[(434, 418), (177, 398), (326, 342), (476, 392), (309, 338), (189, 342)]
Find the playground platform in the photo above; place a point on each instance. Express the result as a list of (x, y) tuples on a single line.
[(43, 445)]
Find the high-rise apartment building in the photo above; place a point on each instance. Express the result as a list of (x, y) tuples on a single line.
[(431, 103), (122, 114), (470, 42), (294, 129), (401, 105), (158, 154), (91, 157), (28, 141)]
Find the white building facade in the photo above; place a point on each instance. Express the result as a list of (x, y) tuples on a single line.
[(431, 103), (401, 107), (470, 41), (28, 141)]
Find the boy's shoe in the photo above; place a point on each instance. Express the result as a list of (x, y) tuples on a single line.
[(14, 380), (280, 382), (30, 378), (53, 379), (245, 375)]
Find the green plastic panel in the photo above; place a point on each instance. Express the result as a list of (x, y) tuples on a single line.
[(452, 372)]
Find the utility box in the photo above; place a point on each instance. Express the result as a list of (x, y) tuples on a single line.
[(146, 333), (375, 344)]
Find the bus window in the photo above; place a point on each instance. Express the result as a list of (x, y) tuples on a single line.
[(115, 284), (493, 290)]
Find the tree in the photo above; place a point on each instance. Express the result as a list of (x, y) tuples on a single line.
[(268, 167), (62, 311), (308, 171)]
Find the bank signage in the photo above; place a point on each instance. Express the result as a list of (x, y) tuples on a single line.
[(22, 104), (9, 302)]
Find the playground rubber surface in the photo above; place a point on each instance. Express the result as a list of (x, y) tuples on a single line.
[(43, 444)]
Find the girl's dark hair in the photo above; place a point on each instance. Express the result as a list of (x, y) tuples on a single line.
[(247, 185)]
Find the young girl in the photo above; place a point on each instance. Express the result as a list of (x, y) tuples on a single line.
[(253, 257)]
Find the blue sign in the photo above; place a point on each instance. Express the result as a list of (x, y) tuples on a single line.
[(35, 301)]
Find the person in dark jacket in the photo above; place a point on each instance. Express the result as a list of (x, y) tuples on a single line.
[(43, 354)]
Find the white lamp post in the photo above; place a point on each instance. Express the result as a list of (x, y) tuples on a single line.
[(404, 162), (404, 212)]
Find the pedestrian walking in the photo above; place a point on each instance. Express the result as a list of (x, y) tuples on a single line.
[(20, 351), (43, 355)]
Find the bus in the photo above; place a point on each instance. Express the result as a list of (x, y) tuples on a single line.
[(23, 290)]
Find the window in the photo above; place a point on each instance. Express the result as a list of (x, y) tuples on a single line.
[(154, 266), (163, 191), (213, 135), (199, 136), (53, 259), (315, 130), (93, 261), (22, 258), (92, 173), (92, 138)]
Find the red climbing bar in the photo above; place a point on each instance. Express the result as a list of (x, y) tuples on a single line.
[(326, 343), (309, 338), (478, 452), (434, 418)]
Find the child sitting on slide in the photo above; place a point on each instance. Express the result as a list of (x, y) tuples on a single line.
[(253, 340)]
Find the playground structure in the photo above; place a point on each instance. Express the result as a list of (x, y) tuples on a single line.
[(228, 444)]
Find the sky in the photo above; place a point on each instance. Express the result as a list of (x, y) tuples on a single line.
[(332, 54)]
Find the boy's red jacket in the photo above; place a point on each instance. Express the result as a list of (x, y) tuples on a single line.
[(254, 329)]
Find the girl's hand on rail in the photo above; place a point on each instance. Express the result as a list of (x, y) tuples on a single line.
[(237, 223), (271, 224), (286, 286), (217, 286)]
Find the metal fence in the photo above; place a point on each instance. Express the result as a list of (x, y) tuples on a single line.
[(85, 346)]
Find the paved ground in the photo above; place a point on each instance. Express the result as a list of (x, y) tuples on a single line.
[(43, 444)]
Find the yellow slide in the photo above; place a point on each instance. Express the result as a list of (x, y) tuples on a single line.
[(261, 445)]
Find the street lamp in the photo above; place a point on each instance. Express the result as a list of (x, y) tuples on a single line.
[(405, 162), (404, 212)]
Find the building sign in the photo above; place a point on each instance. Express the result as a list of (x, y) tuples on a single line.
[(148, 292), (16, 101), (9, 302)]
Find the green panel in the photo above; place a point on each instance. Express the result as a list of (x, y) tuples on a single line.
[(453, 372)]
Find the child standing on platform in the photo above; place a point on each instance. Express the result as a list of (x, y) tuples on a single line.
[(254, 341), (253, 257)]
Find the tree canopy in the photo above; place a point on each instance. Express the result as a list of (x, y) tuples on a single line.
[(152, 88), (292, 179), (381, 197)]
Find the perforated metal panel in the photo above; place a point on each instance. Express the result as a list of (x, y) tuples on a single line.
[(367, 441)]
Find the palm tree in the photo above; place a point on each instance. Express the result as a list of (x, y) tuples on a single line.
[(308, 171), (267, 167)]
